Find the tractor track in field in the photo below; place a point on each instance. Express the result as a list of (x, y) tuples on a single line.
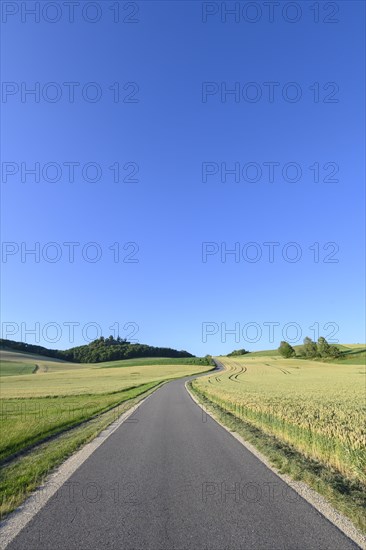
[(284, 371), (234, 377)]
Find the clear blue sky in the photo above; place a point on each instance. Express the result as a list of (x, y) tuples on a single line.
[(178, 123)]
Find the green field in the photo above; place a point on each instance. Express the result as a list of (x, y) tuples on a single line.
[(25, 422), (155, 361), (60, 395), (92, 379), (49, 408), (10, 368), (349, 352)]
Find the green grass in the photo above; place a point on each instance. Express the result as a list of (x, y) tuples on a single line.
[(26, 422), (24, 474), (352, 354), (154, 361), (353, 357), (262, 353), (9, 368)]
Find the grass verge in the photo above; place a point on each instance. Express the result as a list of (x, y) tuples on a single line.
[(20, 477), (347, 496), (27, 422)]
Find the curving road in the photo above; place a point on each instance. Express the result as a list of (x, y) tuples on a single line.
[(174, 479)]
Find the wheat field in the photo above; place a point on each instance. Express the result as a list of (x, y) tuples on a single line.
[(318, 408)]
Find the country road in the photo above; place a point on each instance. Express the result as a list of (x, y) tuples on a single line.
[(171, 478)]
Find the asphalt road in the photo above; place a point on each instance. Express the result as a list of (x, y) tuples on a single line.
[(174, 479)]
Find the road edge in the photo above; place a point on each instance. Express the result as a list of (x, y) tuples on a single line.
[(307, 493), (19, 518)]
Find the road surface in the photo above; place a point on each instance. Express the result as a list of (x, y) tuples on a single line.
[(174, 479)]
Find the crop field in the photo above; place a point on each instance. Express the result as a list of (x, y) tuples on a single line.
[(37, 404), (42, 399), (9, 368), (316, 407), (66, 379), (153, 361)]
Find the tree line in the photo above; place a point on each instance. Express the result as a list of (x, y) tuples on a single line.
[(101, 349), (310, 349), (237, 352)]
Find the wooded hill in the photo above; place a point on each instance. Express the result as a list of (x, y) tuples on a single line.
[(102, 349)]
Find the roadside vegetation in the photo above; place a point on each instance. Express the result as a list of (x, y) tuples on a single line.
[(307, 416), (22, 475)]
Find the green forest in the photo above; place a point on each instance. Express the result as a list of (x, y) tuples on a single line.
[(101, 349)]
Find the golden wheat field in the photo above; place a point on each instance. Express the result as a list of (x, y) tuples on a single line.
[(318, 408)]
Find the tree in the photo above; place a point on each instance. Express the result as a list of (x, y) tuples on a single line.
[(323, 347), (326, 350), (237, 352), (335, 352), (310, 348), (286, 350)]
